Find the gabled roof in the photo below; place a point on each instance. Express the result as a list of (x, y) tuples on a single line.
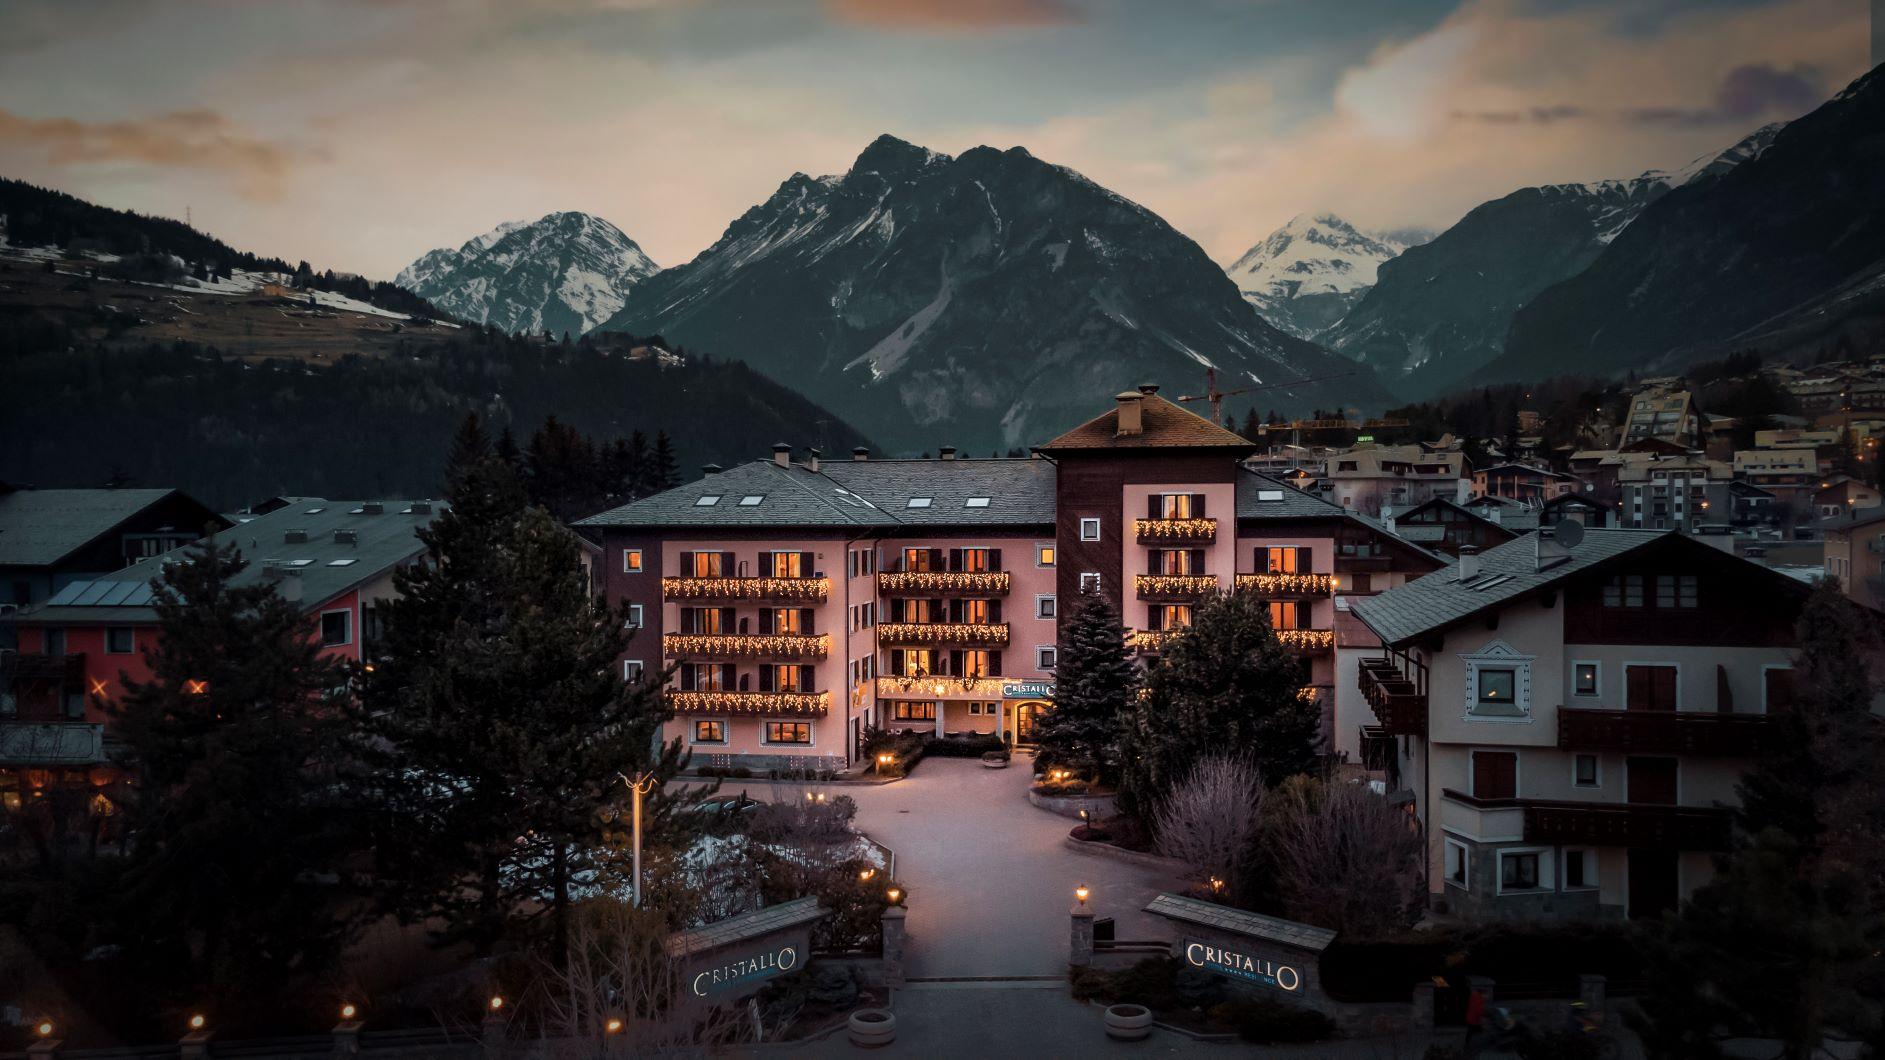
[(857, 494), (1261, 496), (345, 546), (1163, 425), (1443, 503), (38, 528), (1509, 572), (1856, 519)]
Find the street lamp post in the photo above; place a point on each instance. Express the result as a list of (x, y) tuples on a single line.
[(640, 785)]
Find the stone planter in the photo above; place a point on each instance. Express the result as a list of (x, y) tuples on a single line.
[(1098, 807), (995, 761), (1128, 1023), (874, 1027)]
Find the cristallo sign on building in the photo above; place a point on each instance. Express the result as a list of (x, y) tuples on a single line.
[(744, 971), (1238, 965)]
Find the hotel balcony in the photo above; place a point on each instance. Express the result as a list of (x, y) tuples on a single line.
[(769, 704), (54, 743), (1148, 641), (745, 645), (1685, 732), (976, 635), (794, 589), (1152, 531), (1174, 586), (1609, 824), (1307, 641), (939, 686), (1397, 702), (943, 583), (1286, 585)]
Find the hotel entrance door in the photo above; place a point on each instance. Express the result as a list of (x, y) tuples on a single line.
[(1025, 715)]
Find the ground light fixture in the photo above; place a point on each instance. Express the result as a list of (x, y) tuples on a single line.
[(497, 1002), (614, 1026), (44, 1028), (1081, 893), (866, 874), (197, 1021), (895, 894), (348, 1012)]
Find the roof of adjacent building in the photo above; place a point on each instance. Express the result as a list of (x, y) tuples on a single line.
[(1855, 519), (852, 493), (1253, 925), (1506, 573), (347, 545), (1163, 425), (38, 528)]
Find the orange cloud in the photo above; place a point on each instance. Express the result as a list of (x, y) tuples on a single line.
[(186, 139), (952, 15)]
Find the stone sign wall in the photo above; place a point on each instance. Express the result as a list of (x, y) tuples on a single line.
[(1276, 958)]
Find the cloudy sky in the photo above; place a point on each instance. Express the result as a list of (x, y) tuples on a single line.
[(359, 133)]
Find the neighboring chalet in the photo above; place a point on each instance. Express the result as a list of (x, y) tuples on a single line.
[(333, 558), (1854, 551), (1572, 718), (1524, 483), (806, 601), (1443, 526), (50, 538)]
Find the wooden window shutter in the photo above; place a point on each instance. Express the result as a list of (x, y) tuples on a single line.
[(1303, 557), (994, 664), (805, 620), (1637, 688), (994, 559), (1154, 507), (1665, 687), (1196, 561), (765, 620), (728, 566), (1495, 774), (994, 611), (955, 662), (955, 559), (1197, 506), (1779, 690)]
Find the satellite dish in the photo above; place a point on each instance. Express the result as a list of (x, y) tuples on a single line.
[(1569, 533)]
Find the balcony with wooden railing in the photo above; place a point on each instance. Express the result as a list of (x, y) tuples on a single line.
[(792, 589), (19, 670), (746, 645), (769, 704), (944, 583), (967, 634), (938, 686), (1612, 824), (1285, 586), (1397, 702), (1174, 586), (1187, 531), (1684, 732)]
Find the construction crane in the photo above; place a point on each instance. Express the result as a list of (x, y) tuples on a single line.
[(1335, 425), (1216, 397)]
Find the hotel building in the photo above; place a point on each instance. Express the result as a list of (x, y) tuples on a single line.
[(803, 601), (1571, 716)]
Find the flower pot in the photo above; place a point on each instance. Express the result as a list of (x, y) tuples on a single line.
[(872, 1027), (994, 763), (1128, 1023)]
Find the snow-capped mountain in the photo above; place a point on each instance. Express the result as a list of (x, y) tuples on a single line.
[(1440, 311), (1306, 275), (567, 272), (984, 301)]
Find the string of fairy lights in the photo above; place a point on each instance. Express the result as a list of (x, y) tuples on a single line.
[(746, 645), (995, 633), (802, 704), (745, 588), (1175, 529), (994, 583)]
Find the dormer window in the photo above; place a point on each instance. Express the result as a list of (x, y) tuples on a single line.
[(752, 500), (918, 502), (707, 501), (976, 502)]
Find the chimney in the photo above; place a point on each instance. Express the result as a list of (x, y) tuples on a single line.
[(422, 507), (812, 454), (1469, 562), (710, 469), (947, 452), (294, 537), (291, 588), (1546, 551), (1148, 389), (373, 508), (782, 454), (1131, 421), (860, 453), (347, 537)]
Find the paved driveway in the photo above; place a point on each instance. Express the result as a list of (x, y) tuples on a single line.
[(990, 880)]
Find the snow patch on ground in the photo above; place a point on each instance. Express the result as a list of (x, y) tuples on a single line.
[(893, 349)]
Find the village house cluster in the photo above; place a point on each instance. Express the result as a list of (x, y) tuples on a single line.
[(1560, 671)]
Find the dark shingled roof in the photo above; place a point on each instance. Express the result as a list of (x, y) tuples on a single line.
[(1163, 426), (380, 543), (38, 528), (1506, 572), (1254, 925), (747, 926), (1257, 498), (852, 494)]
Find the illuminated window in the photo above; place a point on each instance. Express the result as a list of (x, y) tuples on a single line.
[(1170, 616), (903, 710), (1498, 686), (1584, 678), (1287, 559), (799, 732), (710, 731), (631, 561), (1044, 556), (1286, 614)]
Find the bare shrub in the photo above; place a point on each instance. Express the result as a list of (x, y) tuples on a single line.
[(1212, 818), (620, 995), (1345, 858)]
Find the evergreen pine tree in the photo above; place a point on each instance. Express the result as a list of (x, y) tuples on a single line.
[(1094, 683), (1224, 686), (236, 840), (640, 467), (665, 470), (469, 448)]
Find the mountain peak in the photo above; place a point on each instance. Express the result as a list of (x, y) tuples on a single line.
[(566, 271), (887, 154)]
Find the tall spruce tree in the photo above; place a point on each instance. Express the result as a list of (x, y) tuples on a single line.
[(497, 719), (664, 470), (1224, 686), (234, 885), (1783, 942), (1094, 682)]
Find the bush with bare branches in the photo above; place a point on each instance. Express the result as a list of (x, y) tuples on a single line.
[(1344, 857), (1212, 818), (619, 994)]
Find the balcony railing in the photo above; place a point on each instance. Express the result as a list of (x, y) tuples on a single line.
[(1286, 584), (939, 686), (63, 743), (782, 704), (1150, 641), (1174, 586), (946, 583), (1613, 824), (20, 669), (993, 634), (1377, 748), (1175, 529), (1307, 640), (1687, 732), (746, 645), (746, 588), (1397, 702)]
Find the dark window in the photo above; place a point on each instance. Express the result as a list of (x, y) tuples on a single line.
[(1584, 771), (1046, 607), (54, 641), (1584, 679), (1495, 774), (1518, 871), (1498, 686), (1624, 590), (336, 628), (1650, 687), (1779, 683), (120, 640), (1576, 872), (789, 732), (1675, 590)]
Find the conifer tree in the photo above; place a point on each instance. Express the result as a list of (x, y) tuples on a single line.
[(639, 467), (1094, 682), (665, 470), (238, 847), (1224, 686)]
